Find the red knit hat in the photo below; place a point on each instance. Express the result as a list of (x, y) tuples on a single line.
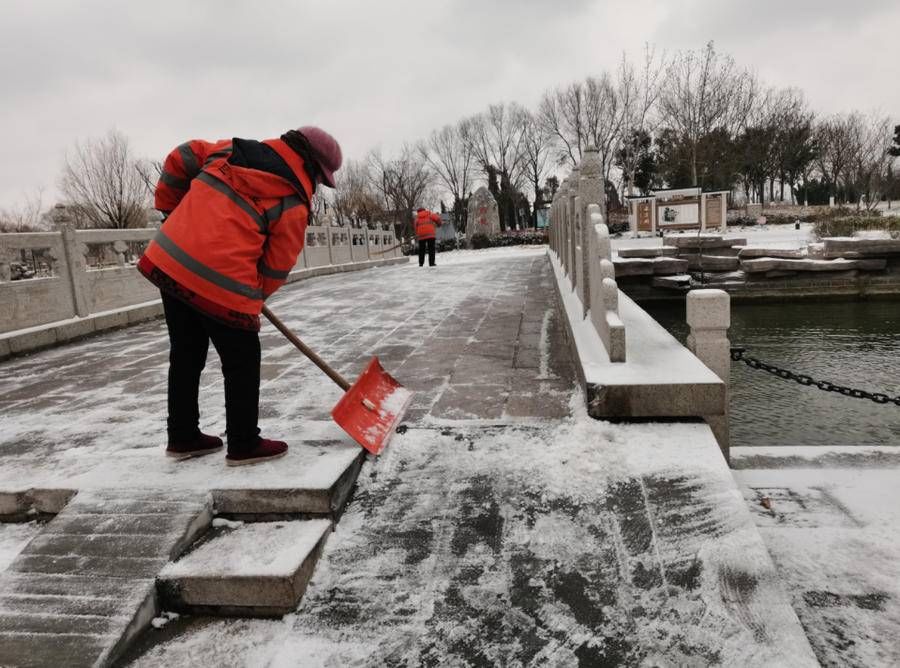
[(326, 149)]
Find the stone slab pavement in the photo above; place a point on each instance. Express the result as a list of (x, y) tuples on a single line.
[(573, 543), (504, 526), (83, 588), (472, 339), (830, 517)]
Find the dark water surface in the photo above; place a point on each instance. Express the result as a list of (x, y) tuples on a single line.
[(848, 343)]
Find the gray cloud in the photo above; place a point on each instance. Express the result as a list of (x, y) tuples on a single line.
[(377, 73)]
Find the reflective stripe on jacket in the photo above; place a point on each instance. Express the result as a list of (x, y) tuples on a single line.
[(234, 234), (425, 224)]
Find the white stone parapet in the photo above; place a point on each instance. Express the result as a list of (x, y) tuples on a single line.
[(579, 238), (77, 273), (709, 317)]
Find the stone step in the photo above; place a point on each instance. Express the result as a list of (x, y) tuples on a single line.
[(82, 588), (662, 265), (258, 569), (315, 478), (835, 247), (704, 241), (749, 252), (766, 264), (654, 251), (713, 263)]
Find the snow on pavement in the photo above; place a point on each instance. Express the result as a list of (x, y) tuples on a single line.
[(576, 542), (94, 411), (831, 522), (14, 537)]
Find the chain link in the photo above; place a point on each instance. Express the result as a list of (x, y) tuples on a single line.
[(738, 355)]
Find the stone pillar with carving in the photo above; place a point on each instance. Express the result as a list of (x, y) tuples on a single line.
[(590, 191), (329, 240), (76, 268), (709, 316), (564, 224), (571, 194)]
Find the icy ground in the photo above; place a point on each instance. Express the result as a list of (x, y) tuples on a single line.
[(830, 517), (13, 537), (503, 527), (771, 236), (471, 339), (571, 543)]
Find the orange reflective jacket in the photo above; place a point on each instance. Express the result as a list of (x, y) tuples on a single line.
[(234, 233), (425, 222)]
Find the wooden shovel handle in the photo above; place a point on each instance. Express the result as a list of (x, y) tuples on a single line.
[(306, 350)]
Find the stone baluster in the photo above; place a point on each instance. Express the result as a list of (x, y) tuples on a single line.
[(709, 316), (552, 221), (571, 194), (328, 238), (590, 190), (120, 248), (77, 269), (604, 292), (564, 218)]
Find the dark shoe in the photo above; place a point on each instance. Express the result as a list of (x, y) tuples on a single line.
[(263, 451), (204, 444)]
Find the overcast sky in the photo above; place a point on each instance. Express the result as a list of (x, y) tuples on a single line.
[(381, 72)]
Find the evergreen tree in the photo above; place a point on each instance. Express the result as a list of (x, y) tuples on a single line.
[(895, 149)]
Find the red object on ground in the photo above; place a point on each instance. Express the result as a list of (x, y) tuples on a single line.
[(372, 408), (265, 450)]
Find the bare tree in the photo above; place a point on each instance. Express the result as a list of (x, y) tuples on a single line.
[(450, 154), (26, 217), (704, 91), (102, 183), (561, 112), (150, 171), (537, 145), (496, 138), (590, 112), (639, 92), (403, 182), (834, 136), (871, 158), (355, 201)]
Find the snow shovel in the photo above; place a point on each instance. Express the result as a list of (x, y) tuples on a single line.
[(388, 250), (371, 408)]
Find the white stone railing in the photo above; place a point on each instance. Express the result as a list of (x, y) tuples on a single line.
[(580, 239), (76, 273)]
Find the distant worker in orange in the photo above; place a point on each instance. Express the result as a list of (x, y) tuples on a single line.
[(425, 233)]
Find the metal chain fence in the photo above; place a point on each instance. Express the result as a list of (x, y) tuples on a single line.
[(738, 355)]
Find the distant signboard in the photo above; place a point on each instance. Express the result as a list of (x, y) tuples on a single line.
[(543, 217)]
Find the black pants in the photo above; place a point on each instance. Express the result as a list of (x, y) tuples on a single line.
[(429, 244), (189, 335)]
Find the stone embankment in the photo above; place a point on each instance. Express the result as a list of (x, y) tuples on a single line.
[(833, 267)]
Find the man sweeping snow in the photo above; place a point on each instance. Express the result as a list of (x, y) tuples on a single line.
[(236, 221)]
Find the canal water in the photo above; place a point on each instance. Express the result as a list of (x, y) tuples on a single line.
[(848, 343)]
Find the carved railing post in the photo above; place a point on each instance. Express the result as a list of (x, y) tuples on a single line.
[(570, 201), (120, 248), (709, 316), (590, 191), (77, 269), (604, 292), (564, 224)]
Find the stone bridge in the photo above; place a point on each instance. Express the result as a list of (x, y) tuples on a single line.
[(506, 526)]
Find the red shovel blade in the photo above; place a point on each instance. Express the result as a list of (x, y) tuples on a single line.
[(372, 408)]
